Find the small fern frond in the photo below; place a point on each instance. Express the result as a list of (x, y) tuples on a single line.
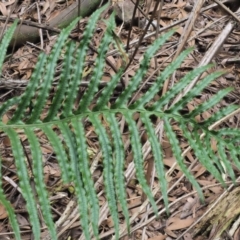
[(39, 181), (5, 42), (107, 169), (59, 150), (9, 209), (138, 158), (24, 183), (137, 78), (118, 157), (6, 105), (63, 84), (78, 66), (209, 104), (219, 115), (30, 90), (225, 161), (157, 154), (203, 156), (178, 87), (50, 71), (234, 154), (195, 91), (98, 70), (107, 92), (84, 169), (178, 155), (160, 80)]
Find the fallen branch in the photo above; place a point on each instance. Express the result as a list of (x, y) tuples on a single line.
[(25, 32)]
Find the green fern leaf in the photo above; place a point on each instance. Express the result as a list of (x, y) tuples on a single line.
[(178, 87), (107, 170), (160, 80), (39, 181), (81, 163), (134, 83), (9, 209), (138, 158), (203, 156), (119, 156), (5, 42), (209, 104), (195, 91), (63, 84), (177, 153), (156, 149), (77, 69), (59, 151), (63, 127), (98, 70), (219, 115), (24, 181), (86, 174)]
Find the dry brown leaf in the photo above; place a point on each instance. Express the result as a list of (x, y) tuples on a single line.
[(187, 236), (199, 170), (5, 118), (3, 9), (23, 222), (3, 212), (188, 206), (170, 233), (6, 142), (10, 2), (216, 189), (170, 162), (176, 223), (159, 237), (237, 234), (46, 5)]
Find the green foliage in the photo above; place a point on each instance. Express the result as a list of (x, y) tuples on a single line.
[(69, 141)]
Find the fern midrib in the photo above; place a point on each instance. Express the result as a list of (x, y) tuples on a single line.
[(104, 111)]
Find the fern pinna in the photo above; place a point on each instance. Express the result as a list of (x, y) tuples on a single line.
[(63, 125)]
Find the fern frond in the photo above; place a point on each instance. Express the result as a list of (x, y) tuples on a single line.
[(219, 115), (203, 156), (177, 153), (138, 158), (178, 87), (59, 151), (86, 174), (160, 80), (195, 91), (63, 84), (107, 169), (157, 154), (209, 104), (62, 123), (5, 42), (137, 78), (98, 70), (119, 157), (77, 68), (24, 181), (39, 181), (82, 178), (30, 90), (9, 209), (225, 160)]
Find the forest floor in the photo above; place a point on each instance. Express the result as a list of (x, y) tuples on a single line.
[(199, 26)]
